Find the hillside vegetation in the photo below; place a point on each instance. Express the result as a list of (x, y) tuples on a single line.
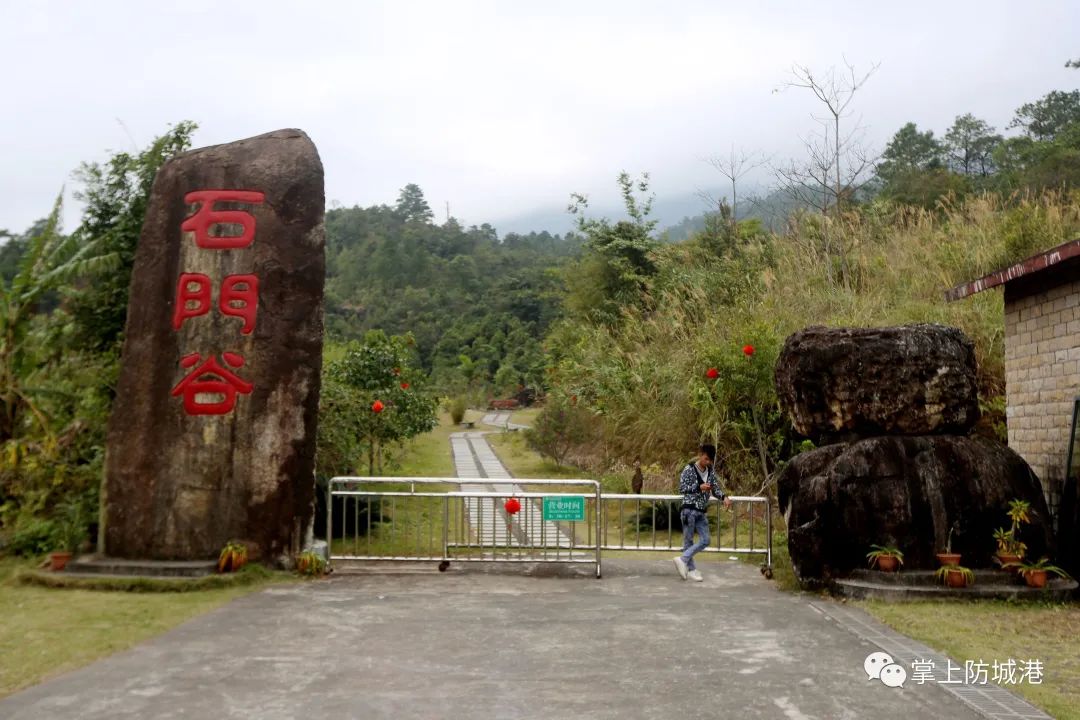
[(614, 325), (643, 374)]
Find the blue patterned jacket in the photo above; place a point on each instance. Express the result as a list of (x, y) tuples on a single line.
[(690, 487)]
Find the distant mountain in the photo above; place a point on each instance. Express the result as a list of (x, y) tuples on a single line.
[(679, 216), (668, 210), (554, 220)]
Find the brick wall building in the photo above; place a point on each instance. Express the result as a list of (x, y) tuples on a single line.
[(1042, 367)]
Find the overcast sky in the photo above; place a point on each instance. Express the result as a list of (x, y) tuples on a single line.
[(500, 109)]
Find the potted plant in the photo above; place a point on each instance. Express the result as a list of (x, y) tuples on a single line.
[(1035, 572), (949, 558), (310, 564), (233, 557), (1010, 550), (70, 535), (885, 558), (955, 576)]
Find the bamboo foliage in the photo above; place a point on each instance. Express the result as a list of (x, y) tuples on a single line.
[(51, 260)]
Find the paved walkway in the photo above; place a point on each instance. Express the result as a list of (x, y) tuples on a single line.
[(468, 644), (501, 420), (474, 458)]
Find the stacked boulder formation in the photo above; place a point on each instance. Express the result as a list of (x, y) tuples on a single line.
[(891, 410)]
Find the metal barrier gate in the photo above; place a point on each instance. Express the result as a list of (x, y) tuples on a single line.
[(452, 519), (652, 523), (557, 521)]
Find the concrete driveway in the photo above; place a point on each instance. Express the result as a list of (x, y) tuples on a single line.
[(640, 643)]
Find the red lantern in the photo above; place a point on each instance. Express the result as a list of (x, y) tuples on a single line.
[(512, 506), (404, 386), (712, 373), (377, 407)]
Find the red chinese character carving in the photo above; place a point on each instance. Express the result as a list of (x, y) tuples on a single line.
[(240, 298), (210, 377), (200, 295), (206, 216)]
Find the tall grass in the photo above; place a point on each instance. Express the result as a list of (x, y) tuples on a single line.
[(643, 377)]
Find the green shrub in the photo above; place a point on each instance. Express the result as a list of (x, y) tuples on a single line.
[(560, 427), (457, 410), (33, 536)]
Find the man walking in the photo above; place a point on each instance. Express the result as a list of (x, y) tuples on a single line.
[(696, 483)]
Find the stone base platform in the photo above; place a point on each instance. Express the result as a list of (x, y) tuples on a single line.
[(923, 585), (97, 565)]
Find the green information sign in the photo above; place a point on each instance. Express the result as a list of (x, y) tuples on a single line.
[(571, 509)]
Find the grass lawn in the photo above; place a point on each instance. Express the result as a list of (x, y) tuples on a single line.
[(418, 522), (523, 462), (47, 632), (991, 630), (526, 416), (429, 454), (402, 526)]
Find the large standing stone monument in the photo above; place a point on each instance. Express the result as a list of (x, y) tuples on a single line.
[(891, 409), (212, 434)]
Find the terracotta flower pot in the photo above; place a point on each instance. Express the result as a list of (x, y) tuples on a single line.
[(955, 579), (949, 558), (1035, 578), (1005, 559), (58, 560), (887, 563)]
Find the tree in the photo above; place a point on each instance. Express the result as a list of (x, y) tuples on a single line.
[(1028, 163), (1047, 155), (913, 170), (380, 370), (1043, 119), (558, 429), (14, 247), (619, 257), (735, 166), (116, 194), (50, 260), (970, 144), (839, 151), (837, 164), (910, 150), (411, 205), (340, 441)]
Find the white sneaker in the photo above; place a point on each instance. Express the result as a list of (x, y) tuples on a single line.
[(681, 567), (695, 575)]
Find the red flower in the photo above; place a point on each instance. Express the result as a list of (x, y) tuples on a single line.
[(747, 350), (377, 407), (512, 506), (712, 373), (404, 386)]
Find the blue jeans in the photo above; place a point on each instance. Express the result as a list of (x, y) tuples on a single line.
[(693, 520)]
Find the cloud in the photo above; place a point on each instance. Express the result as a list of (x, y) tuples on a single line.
[(496, 108)]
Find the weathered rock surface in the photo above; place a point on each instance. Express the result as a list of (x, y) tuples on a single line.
[(842, 383), (907, 492), (228, 454)]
